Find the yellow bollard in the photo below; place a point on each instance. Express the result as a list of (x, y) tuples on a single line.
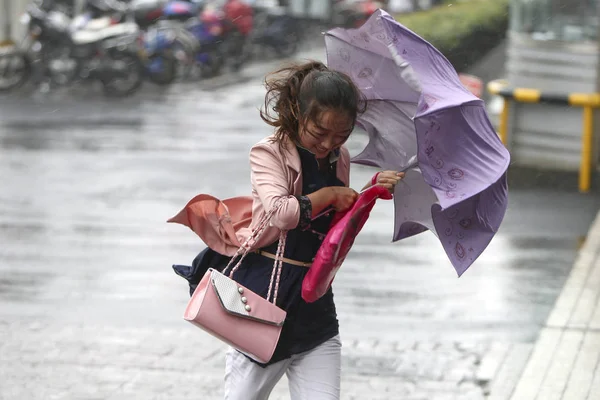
[(495, 87), (525, 95), (585, 168), (502, 129)]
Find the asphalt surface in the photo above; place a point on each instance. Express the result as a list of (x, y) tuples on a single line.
[(90, 307)]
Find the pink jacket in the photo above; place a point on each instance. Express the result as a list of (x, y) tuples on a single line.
[(225, 224)]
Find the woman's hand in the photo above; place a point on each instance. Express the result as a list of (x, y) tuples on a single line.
[(343, 198), (338, 197), (389, 179)]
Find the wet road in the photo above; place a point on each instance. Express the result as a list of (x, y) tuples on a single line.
[(89, 305)]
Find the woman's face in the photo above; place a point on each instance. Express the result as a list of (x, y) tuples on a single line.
[(330, 130)]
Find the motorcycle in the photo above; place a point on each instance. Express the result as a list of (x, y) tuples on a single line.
[(169, 49), (354, 13), (262, 29), (204, 40), (221, 42), (15, 69), (146, 13), (60, 51), (276, 31)]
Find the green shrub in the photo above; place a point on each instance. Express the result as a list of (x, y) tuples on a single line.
[(464, 31)]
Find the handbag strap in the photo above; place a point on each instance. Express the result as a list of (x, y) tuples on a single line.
[(255, 236), (278, 265)]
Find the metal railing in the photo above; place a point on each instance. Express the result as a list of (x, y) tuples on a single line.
[(588, 101)]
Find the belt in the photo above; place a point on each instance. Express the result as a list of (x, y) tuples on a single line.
[(284, 259)]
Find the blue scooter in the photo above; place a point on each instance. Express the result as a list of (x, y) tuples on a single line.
[(191, 35)]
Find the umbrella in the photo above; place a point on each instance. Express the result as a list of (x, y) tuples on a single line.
[(420, 119)]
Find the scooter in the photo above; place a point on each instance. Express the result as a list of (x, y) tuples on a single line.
[(207, 41), (60, 51)]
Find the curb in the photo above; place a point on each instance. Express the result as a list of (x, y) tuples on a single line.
[(567, 300), (567, 314)]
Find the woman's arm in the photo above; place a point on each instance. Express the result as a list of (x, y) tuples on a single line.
[(372, 182), (340, 198), (313, 204), (271, 184), (321, 199), (387, 179)]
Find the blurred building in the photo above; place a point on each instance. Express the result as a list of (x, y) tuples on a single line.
[(11, 28), (553, 71)]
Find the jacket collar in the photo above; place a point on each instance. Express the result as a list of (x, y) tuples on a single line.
[(291, 156)]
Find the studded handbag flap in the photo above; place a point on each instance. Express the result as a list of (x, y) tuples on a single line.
[(239, 301)]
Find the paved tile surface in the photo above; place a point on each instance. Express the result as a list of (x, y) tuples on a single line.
[(565, 362)]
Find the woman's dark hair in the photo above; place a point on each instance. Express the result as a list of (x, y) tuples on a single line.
[(300, 92)]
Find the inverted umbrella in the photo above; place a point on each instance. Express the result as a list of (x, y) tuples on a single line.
[(420, 119)]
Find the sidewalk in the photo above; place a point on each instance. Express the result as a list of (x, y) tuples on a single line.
[(565, 361)]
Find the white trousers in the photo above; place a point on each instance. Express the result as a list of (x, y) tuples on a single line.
[(313, 375)]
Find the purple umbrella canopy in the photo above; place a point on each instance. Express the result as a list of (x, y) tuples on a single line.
[(421, 120)]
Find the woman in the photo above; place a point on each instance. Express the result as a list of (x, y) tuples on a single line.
[(314, 110)]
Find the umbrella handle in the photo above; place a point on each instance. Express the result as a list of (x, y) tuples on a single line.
[(410, 166), (413, 165)]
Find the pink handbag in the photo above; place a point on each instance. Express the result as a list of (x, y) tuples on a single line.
[(236, 315)]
